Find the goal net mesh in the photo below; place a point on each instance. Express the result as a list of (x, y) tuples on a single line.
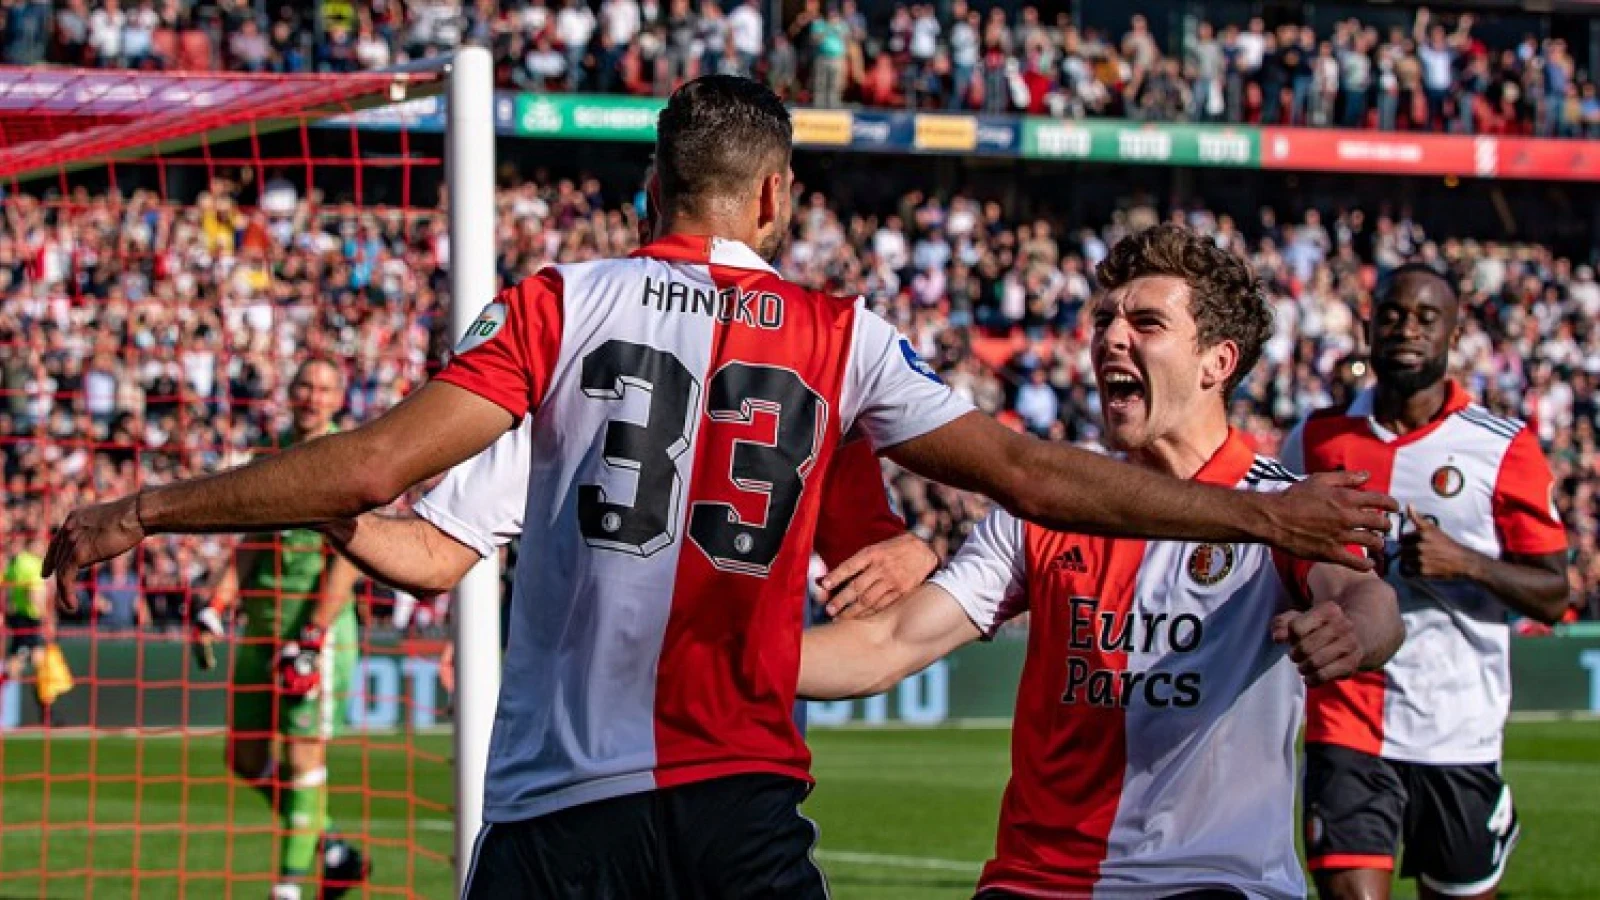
[(173, 249)]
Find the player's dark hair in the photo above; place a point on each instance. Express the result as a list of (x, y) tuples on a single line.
[(1225, 294), (718, 135)]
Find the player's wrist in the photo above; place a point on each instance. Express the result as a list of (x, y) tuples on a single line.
[(1472, 566), (1260, 516), (138, 513)]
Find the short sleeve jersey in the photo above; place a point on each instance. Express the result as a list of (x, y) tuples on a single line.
[(1444, 696), (1153, 743), (685, 402)]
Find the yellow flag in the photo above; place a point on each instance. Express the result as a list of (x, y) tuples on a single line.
[(55, 676)]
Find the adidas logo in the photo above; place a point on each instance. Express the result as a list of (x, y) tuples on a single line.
[(1070, 559)]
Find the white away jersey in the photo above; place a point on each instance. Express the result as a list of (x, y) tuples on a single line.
[(1153, 747), (1443, 698), (684, 402)]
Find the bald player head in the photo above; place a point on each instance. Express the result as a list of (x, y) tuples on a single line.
[(1413, 327), (315, 396)]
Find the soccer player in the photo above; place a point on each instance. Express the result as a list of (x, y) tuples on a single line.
[(1153, 746), (684, 399), (1411, 755), (29, 616), (295, 662)]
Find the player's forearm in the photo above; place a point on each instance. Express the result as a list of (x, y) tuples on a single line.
[(1539, 592), (336, 477), (867, 656), (312, 483), (405, 552), (1370, 605), (1070, 489), (851, 658)]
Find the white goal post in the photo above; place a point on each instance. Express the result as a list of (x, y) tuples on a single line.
[(469, 173)]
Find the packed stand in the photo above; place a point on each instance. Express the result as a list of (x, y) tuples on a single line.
[(150, 341), (1435, 76)]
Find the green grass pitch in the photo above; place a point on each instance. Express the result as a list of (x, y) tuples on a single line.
[(905, 814)]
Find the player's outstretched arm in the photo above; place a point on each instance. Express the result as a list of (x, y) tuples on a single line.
[(1070, 489), (1353, 625), (403, 551), (339, 476), (866, 656)]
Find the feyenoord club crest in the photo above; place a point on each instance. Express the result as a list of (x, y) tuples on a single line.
[(1448, 481), (1210, 563)]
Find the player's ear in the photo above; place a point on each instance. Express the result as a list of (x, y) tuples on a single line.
[(1218, 363), (772, 193)]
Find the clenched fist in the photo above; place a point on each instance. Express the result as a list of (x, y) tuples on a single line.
[(1322, 642)]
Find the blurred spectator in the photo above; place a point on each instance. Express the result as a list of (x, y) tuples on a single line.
[(1437, 75)]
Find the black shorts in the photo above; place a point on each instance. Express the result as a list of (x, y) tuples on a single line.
[(1457, 823), (23, 634), (725, 839)]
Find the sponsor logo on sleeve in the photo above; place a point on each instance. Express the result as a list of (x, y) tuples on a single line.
[(916, 363), (485, 326)]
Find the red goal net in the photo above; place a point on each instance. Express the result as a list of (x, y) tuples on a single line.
[(177, 253)]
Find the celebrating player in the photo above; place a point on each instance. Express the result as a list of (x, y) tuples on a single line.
[(1411, 755), (683, 399), (1153, 746), (294, 663)]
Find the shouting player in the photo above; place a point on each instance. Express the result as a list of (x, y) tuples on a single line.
[(1411, 755), (1153, 747), (684, 400), (294, 663)]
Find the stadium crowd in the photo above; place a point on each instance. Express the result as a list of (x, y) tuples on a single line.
[(151, 340), (1436, 75)]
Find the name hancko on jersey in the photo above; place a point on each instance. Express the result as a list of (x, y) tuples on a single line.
[(757, 309)]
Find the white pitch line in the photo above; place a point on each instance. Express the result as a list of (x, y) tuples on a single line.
[(899, 862)]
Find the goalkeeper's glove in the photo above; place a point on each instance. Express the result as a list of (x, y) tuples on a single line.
[(208, 629), (300, 663)]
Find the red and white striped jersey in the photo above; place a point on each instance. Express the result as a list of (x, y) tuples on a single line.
[(685, 401), (1153, 747), (1443, 698)]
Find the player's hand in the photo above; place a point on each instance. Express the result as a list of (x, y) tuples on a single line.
[(1322, 640), (90, 535), (1322, 517), (878, 576), (1427, 552), (300, 663)]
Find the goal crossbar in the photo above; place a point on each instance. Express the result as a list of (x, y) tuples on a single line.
[(55, 120)]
